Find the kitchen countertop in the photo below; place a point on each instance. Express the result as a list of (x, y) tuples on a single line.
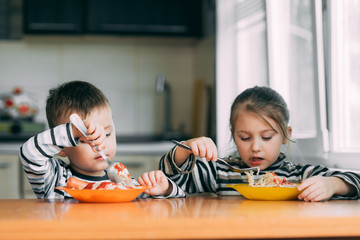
[(140, 148), (179, 218)]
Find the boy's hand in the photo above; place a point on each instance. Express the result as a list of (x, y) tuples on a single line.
[(96, 135), (317, 188), (158, 181), (203, 147)]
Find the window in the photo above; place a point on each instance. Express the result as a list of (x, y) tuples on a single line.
[(281, 44), (275, 46), (344, 84), (345, 65)]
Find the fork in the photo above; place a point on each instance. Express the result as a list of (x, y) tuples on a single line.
[(234, 169)]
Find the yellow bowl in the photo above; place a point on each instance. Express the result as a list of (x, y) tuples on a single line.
[(266, 193)]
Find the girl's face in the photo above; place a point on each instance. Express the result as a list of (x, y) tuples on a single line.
[(82, 158), (257, 142)]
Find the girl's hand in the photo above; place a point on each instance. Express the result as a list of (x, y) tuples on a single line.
[(317, 188), (203, 147), (158, 181)]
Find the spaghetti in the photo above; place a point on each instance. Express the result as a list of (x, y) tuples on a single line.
[(270, 179)]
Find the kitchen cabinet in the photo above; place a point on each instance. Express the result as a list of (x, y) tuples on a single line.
[(56, 16), (144, 17), (9, 176), (123, 17)]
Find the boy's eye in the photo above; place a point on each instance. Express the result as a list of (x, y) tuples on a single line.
[(108, 135), (245, 138)]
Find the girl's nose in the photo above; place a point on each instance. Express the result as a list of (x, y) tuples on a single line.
[(256, 146)]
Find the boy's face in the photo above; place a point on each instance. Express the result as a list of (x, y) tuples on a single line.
[(82, 158), (257, 142)]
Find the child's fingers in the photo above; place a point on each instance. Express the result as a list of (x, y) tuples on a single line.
[(211, 154), (96, 134), (90, 127), (153, 177), (141, 181), (206, 149), (159, 175), (97, 138), (201, 149), (306, 183), (146, 179)]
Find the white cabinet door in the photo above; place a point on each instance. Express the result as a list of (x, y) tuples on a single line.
[(9, 177)]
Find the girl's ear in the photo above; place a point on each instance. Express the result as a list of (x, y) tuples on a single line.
[(289, 129), (62, 153)]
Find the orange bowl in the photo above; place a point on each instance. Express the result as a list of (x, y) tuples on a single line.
[(104, 196)]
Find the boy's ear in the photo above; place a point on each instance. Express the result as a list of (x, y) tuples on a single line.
[(62, 153), (289, 129)]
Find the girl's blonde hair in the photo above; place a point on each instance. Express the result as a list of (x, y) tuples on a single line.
[(263, 101)]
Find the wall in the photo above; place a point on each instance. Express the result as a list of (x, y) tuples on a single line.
[(124, 68)]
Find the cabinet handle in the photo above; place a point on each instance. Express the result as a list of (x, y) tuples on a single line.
[(5, 165), (144, 28)]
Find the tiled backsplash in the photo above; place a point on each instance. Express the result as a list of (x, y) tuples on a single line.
[(124, 68)]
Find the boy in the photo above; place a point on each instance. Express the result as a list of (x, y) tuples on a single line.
[(45, 173)]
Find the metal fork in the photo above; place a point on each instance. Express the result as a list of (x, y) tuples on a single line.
[(234, 169)]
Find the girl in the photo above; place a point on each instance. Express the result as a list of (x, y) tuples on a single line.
[(259, 127)]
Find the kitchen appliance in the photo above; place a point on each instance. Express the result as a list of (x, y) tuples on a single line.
[(17, 116)]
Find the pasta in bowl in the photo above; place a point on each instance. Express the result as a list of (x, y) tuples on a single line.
[(267, 187)]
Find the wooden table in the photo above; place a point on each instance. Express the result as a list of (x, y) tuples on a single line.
[(182, 218)]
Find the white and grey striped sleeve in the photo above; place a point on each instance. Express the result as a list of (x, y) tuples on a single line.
[(37, 157), (199, 175), (293, 171), (350, 178)]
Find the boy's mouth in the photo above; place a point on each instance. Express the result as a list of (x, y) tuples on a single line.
[(100, 158)]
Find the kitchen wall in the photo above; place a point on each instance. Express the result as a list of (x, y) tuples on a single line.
[(125, 68)]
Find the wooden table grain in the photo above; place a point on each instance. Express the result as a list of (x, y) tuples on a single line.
[(179, 218)]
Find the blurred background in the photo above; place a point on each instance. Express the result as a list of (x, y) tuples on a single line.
[(123, 47), (171, 70)]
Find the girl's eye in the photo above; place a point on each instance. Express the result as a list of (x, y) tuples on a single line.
[(108, 135), (267, 138), (245, 139)]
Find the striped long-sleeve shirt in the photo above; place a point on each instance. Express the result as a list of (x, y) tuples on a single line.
[(45, 172), (199, 176)]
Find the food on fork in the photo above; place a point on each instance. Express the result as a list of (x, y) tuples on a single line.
[(270, 179), (121, 173)]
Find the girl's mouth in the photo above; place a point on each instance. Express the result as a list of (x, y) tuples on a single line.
[(256, 161)]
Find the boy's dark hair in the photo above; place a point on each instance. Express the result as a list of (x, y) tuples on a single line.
[(262, 101), (79, 96)]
